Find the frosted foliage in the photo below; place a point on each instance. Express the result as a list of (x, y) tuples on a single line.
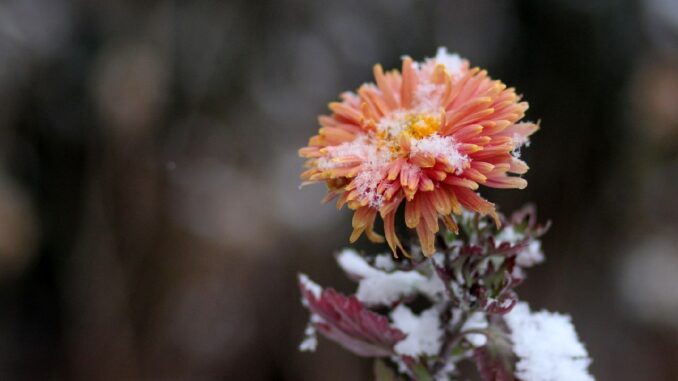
[(384, 262), (453, 62), (377, 287), (354, 264), (476, 321), (310, 342), (444, 373), (387, 289), (529, 256), (310, 285), (547, 346), (444, 147), (510, 235), (423, 332)]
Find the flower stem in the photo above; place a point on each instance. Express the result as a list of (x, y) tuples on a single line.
[(421, 373)]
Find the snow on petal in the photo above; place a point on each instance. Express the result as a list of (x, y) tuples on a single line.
[(444, 147), (453, 62), (384, 146)]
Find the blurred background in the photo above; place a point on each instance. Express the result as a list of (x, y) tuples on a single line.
[(151, 225)]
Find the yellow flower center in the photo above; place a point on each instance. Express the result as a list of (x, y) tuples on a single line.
[(420, 126), (408, 126)]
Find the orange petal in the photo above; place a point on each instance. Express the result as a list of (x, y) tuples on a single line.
[(423, 160), (507, 182), (472, 201), (412, 214), (450, 224), (458, 181), (384, 86), (363, 219), (474, 175), (409, 83), (346, 112), (518, 166), (389, 232), (427, 240)]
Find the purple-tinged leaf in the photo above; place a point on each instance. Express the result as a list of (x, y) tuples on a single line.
[(502, 305), (349, 323), (528, 215), (491, 367)]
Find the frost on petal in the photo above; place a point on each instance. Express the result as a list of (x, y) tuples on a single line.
[(424, 333), (519, 141), (347, 322), (393, 124), (453, 62), (547, 346), (434, 126), (443, 147)]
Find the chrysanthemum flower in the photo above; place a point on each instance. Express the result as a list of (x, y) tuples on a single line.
[(426, 137)]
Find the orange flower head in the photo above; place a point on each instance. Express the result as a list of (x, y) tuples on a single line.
[(427, 137)]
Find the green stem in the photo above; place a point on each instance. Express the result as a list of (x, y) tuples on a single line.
[(421, 373)]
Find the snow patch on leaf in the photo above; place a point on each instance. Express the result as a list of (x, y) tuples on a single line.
[(477, 321), (380, 288), (424, 333), (547, 346)]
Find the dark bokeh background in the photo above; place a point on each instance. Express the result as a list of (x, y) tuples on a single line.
[(151, 224)]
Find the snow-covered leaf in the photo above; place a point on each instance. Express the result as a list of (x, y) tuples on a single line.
[(547, 346)]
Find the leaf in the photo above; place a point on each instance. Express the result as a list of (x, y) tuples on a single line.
[(495, 361), (346, 321), (421, 373), (491, 366)]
